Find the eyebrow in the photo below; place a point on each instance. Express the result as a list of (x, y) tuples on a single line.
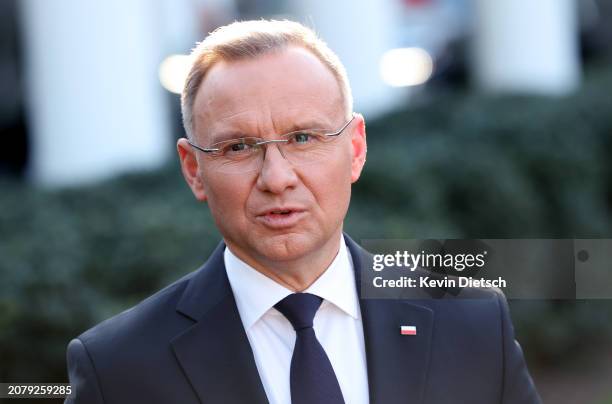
[(235, 134), (223, 136)]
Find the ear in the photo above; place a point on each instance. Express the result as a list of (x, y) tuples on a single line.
[(190, 168), (359, 147)]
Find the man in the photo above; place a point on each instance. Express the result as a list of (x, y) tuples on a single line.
[(276, 314)]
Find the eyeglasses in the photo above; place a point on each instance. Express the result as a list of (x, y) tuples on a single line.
[(247, 154)]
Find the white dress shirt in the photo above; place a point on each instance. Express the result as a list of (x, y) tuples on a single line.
[(337, 325)]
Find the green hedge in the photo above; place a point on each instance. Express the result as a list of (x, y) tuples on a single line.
[(465, 166)]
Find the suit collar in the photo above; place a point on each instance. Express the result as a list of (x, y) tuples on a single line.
[(207, 287), (214, 352), (397, 364)]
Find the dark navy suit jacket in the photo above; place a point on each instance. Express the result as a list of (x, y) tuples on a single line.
[(186, 344)]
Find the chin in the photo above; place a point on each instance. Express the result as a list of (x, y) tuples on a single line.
[(285, 247)]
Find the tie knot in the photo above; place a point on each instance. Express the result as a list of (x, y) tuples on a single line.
[(299, 309)]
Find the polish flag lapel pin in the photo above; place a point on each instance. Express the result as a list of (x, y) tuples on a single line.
[(408, 330)]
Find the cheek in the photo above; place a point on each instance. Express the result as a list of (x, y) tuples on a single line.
[(226, 198), (331, 185), (342, 181)]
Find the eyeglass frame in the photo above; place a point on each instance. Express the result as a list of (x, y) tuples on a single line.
[(264, 142)]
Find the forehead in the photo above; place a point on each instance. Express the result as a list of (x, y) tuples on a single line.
[(273, 92)]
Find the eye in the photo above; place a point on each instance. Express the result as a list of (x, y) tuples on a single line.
[(237, 147), (302, 137), (306, 138)]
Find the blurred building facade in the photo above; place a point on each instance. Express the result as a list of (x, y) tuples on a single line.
[(86, 101)]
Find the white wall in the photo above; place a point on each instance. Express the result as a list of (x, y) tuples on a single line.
[(359, 31), (94, 102), (526, 46)]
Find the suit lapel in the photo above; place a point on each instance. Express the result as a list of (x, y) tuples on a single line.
[(215, 353), (397, 364)]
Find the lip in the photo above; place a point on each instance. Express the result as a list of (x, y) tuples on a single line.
[(274, 219)]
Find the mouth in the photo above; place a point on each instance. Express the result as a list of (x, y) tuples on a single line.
[(281, 218)]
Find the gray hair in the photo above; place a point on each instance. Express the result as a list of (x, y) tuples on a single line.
[(249, 39)]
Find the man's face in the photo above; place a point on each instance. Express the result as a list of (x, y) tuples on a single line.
[(264, 97)]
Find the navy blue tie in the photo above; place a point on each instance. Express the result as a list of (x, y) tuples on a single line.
[(312, 378)]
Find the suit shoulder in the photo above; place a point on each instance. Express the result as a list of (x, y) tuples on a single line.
[(143, 315), (481, 292)]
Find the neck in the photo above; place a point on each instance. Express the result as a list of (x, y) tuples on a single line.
[(296, 274)]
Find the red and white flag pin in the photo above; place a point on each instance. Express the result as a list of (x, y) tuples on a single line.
[(408, 330)]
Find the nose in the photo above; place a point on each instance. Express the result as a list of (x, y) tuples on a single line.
[(277, 174)]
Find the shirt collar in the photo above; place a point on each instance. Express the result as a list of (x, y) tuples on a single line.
[(255, 293), (337, 283)]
